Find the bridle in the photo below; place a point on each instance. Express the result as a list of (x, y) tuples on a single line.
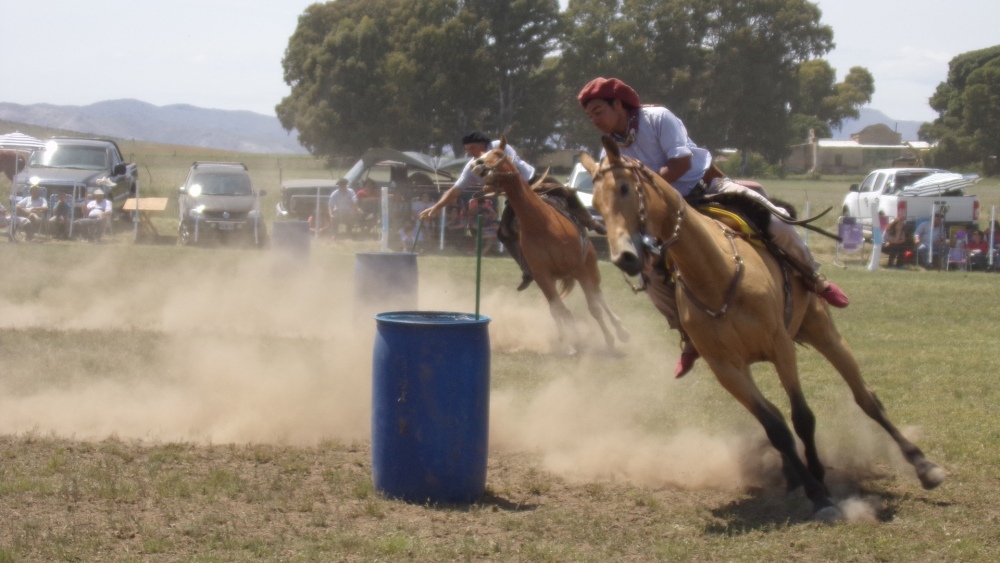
[(490, 171), (658, 249)]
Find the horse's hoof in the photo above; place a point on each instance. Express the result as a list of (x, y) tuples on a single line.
[(932, 477), (828, 515)]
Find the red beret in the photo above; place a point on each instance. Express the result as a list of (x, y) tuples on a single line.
[(608, 89)]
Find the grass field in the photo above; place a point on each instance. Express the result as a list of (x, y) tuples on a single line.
[(161, 403)]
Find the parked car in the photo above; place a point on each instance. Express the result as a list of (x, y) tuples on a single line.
[(581, 181), (218, 201), (77, 167), (912, 193)]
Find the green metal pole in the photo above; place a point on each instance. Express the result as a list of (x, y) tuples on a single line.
[(479, 259)]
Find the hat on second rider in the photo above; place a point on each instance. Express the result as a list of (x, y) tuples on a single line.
[(608, 89)]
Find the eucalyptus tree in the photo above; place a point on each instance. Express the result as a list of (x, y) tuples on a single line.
[(967, 128)]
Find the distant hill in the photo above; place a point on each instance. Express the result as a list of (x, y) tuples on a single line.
[(245, 131), (180, 124), (908, 129)]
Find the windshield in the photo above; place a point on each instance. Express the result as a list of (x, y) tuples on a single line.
[(64, 156), (220, 183)]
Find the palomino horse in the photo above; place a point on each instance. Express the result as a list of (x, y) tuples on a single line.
[(554, 248), (731, 302)]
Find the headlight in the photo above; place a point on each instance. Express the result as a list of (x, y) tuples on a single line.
[(253, 214), (196, 212)]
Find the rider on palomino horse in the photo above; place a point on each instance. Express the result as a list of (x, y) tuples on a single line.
[(476, 144), (658, 139)]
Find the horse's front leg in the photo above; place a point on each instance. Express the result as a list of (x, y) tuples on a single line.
[(737, 380)]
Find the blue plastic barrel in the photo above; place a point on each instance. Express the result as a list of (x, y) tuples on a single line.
[(430, 406), (384, 281)]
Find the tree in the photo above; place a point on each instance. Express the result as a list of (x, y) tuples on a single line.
[(968, 104), (822, 104)]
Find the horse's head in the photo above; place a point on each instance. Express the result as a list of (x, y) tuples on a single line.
[(11, 163), (493, 165), (618, 182)]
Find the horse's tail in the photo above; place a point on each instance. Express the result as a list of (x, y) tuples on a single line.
[(565, 285)]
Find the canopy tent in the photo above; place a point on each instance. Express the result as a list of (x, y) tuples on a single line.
[(435, 164), (941, 183), (20, 141)]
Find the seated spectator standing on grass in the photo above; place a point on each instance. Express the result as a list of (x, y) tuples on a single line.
[(895, 245), (978, 250), (33, 207), (97, 219), (60, 217), (5, 219), (343, 208), (928, 239)]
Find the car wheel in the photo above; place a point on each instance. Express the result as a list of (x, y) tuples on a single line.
[(184, 234)]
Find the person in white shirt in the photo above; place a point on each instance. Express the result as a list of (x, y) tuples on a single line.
[(98, 216), (33, 207), (343, 207), (654, 136)]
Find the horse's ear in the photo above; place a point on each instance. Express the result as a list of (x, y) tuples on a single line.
[(588, 163), (611, 149), (503, 141)]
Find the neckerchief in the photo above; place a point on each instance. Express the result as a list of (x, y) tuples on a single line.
[(633, 124)]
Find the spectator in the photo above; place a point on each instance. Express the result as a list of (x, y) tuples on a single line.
[(931, 238), (97, 219), (343, 208), (5, 219), (33, 207), (483, 207), (895, 244), (978, 250), (60, 217), (369, 198), (410, 233), (457, 225)]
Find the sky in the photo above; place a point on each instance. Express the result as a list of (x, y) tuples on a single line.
[(226, 54)]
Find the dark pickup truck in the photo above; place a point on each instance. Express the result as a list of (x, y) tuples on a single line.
[(77, 167)]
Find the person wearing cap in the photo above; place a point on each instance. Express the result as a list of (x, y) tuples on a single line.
[(657, 138), (33, 207), (477, 144), (930, 233), (343, 208), (98, 214)]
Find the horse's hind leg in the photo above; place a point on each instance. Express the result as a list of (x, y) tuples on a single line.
[(828, 341), (740, 385)]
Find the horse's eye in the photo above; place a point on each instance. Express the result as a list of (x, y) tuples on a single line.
[(624, 189)]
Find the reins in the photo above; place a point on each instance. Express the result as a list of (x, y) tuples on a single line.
[(656, 248)]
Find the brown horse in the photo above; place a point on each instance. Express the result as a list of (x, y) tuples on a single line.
[(11, 163), (731, 302), (554, 248)]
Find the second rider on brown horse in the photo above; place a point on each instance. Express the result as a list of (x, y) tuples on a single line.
[(477, 144)]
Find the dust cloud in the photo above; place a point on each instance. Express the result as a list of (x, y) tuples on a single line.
[(247, 352)]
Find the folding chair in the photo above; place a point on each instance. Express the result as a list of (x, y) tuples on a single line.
[(958, 254), (852, 240)]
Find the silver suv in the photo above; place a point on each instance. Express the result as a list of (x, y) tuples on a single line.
[(218, 201)]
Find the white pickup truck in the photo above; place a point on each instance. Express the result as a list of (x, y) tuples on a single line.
[(894, 193)]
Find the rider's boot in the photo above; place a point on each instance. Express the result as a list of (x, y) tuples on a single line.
[(687, 359)]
